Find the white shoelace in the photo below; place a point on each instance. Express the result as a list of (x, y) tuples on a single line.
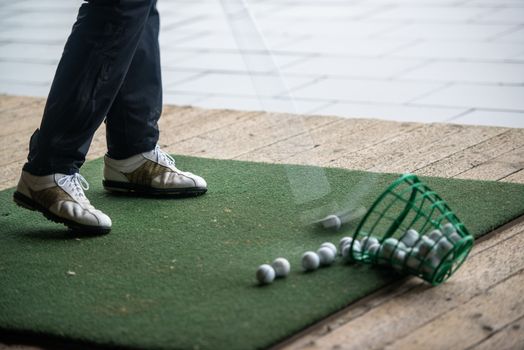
[(77, 182), (161, 155)]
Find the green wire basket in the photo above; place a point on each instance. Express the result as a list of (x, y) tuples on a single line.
[(412, 229)]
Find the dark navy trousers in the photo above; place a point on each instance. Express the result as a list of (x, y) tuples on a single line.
[(109, 70)]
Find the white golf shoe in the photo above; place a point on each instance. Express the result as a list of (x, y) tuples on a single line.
[(61, 199), (151, 173)]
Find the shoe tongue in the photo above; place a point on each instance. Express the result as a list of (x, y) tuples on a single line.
[(162, 159), (73, 188), (153, 155), (59, 176)]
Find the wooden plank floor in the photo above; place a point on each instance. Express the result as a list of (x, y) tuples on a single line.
[(481, 307)]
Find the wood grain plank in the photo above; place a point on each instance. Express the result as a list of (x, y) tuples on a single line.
[(8, 102), (475, 155), (391, 150), (517, 177), (10, 174), (511, 337), (302, 142), (253, 133), (21, 119), (471, 322), (429, 152), (348, 140), (497, 168), (177, 137), (18, 149), (172, 116)]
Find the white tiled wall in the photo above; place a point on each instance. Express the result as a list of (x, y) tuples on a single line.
[(415, 60)]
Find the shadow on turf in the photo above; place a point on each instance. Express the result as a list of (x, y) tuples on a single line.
[(45, 341), (57, 234), (158, 196)]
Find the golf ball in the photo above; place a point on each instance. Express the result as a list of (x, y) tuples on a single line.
[(281, 267), (368, 241), (424, 245), (343, 242), (413, 260), (372, 251), (326, 256), (332, 221), (410, 237), (330, 246), (265, 274), (430, 265), (435, 235), (451, 232), (346, 250), (310, 261), (442, 248), (454, 237), (398, 259), (448, 229), (388, 247)]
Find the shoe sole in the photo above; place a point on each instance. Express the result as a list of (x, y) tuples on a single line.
[(129, 188), (27, 203)]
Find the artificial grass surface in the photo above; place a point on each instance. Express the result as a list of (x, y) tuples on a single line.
[(179, 274)]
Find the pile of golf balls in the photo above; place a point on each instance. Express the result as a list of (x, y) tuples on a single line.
[(412, 252), (266, 273), (415, 252), (324, 256)]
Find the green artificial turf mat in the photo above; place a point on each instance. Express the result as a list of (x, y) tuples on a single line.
[(179, 274)]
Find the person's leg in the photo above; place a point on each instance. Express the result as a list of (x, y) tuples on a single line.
[(132, 121), (134, 163), (93, 66)]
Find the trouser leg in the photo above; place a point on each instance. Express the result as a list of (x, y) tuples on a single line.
[(132, 121), (93, 66)]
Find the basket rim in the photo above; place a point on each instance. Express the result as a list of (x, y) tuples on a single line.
[(441, 275), (388, 190)]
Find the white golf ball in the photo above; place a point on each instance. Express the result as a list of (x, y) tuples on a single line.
[(448, 229), (357, 247), (281, 267), (265, 274), (454, 237), (326, 256), (398, 259), (310, 261), (332, 221), (430, 265), (368, 241), (347, 252), (330, 246), (372, 251), (388, 247), (435, 235), (424, 245), (443, 247), (413, 260), (343, 241), (410, 237)]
